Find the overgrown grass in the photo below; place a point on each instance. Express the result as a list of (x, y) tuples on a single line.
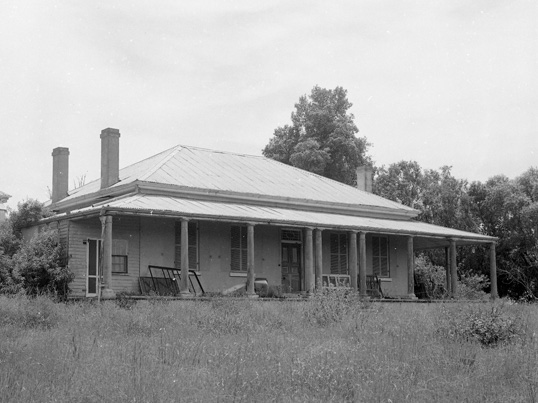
[(276, 351)]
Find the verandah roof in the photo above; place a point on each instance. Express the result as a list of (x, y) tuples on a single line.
[(428, 235)]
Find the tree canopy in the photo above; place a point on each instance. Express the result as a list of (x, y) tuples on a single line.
[(501, 207), (322, 137)]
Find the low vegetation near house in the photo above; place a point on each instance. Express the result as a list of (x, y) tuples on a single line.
[(241, 350)]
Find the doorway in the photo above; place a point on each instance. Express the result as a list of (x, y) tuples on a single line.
[(92, 271), (291, 267)]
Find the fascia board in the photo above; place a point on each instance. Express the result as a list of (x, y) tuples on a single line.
[(271, 201)]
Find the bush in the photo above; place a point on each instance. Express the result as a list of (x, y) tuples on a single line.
[(490, 326), (471, 286), (430, 278), (39, 266)]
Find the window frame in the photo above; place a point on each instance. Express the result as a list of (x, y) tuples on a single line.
[(125, 264), (342, 252), (241, 248), (383, 272)]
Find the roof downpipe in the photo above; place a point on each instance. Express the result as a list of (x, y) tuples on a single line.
[(60, 173), (110, 157)]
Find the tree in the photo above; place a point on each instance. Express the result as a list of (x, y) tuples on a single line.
[(34, 265), (28, 212), (508, 209), (39, 266), (321, 138)]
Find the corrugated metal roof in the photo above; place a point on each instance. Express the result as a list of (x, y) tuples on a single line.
[(230, 172), (242, 212)]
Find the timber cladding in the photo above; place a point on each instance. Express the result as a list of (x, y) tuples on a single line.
[(126, 229)]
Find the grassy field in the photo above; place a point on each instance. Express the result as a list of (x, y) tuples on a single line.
[(326, 349)]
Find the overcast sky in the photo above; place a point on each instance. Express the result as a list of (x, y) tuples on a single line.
[(440, 82)]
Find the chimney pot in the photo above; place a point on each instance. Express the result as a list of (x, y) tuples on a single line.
[(60, 173), (110, 157)]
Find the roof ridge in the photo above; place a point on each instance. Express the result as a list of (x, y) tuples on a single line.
[(220, 151), (173, 151)]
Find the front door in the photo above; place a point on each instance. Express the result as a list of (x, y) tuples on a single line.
[(92, 272), (291, 267)]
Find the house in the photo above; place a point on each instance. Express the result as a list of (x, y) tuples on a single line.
[(232, 218), (4, 197)]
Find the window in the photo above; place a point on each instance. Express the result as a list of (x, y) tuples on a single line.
[(238, 248), (193, 245), (119, 256), (380, 256), (338, 253), (290, 235), (119, 264)]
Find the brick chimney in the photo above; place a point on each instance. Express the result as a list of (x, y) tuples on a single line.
[(110, 157), (60, 173), (365, 176)]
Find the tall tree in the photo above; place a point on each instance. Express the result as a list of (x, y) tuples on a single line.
[(322, 137), (508, 209)]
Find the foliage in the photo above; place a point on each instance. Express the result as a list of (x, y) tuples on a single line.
[(440, 198), (471, 286), (321, 138), (490, 326), (430, 278), (28, 213), (39, 265), (508, 209), (500, 207)]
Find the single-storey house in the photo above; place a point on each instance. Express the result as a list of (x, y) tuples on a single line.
[(229, 219)]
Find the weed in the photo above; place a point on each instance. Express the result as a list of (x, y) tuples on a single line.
[(489, 325)]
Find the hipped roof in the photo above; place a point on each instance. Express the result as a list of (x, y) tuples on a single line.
[(229, 173)]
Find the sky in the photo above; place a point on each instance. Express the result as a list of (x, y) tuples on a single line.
[(450, 82)]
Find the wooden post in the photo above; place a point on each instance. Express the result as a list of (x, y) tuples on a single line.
[(453, 269), (410, 268), (493, 271), (353, 259), (447, 270), (106, 242), (184, 284), (251, 276), (319, 259), (309, 261), (362, 265)]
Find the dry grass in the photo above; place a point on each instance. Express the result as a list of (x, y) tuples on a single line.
[(243, 351)]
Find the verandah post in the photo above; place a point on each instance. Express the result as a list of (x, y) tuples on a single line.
[(410, 268), (362, 265), (319, 259), (493, 271), (309, 261), (106, 223), (353, 259), (184, 284), (453, 269), (447, 270), (251, 293)]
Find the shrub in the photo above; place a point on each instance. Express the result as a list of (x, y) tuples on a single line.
[(471, 286), (431, 278), (488, 325), (39, 266)]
